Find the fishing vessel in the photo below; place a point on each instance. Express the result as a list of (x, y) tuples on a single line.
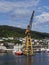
[(17, 50)]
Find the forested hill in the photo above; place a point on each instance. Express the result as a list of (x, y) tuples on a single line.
[(6, 31)]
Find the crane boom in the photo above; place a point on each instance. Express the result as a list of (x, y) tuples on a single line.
[(30, 24)]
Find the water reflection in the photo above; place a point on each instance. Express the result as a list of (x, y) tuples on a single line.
[(18, 60), (7, 59), (37, 59), (29, 60)]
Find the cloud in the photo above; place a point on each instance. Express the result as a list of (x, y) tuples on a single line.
[(42, 18), (17, 9), (46, 7), (6, 6), (41, 22)]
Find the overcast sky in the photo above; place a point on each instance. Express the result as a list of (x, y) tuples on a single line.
[(18, 12)]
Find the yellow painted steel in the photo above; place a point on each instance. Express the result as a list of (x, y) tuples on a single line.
[(28, 49)]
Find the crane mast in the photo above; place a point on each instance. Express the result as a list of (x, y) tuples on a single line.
[(30, 24), (28, 49)]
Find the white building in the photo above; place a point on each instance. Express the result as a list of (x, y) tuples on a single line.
[(1, 40), (2, 47), (11, 38)]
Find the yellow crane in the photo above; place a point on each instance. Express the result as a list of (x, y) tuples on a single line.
[(28, 49)]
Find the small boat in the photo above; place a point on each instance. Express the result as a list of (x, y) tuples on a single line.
[(17, 50)]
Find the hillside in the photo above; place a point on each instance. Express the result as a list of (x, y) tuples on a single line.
[(6, 31)]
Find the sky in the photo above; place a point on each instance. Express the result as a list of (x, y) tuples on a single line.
[(17, 13)]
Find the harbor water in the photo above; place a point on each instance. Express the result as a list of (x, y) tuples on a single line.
[(12, 59)]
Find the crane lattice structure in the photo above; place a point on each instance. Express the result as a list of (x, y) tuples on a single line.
[(28, 49)]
